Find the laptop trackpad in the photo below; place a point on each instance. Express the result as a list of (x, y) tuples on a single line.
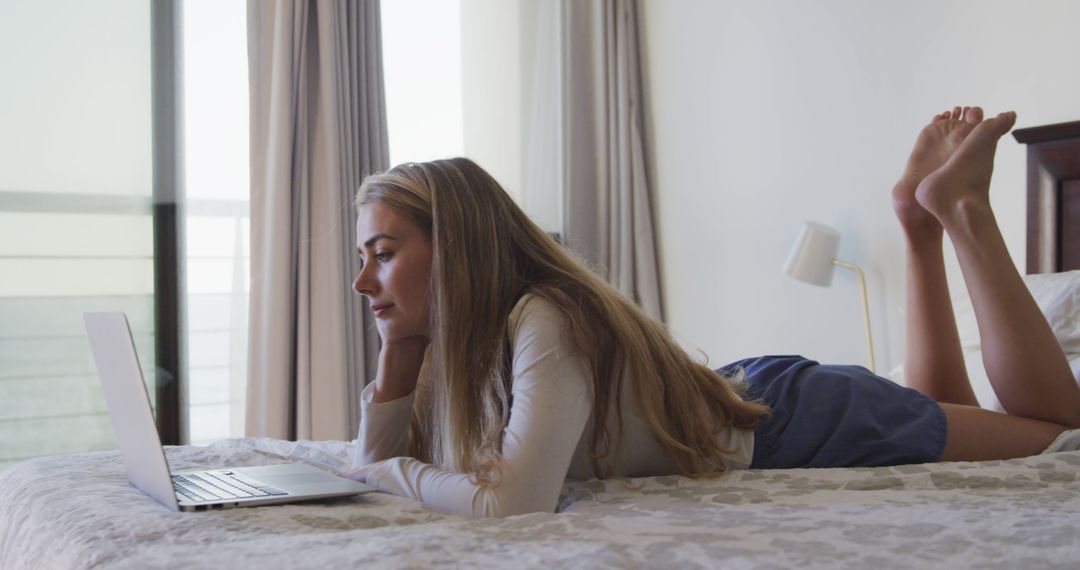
[(300, 479)]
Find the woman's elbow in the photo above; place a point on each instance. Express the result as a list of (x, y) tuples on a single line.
[(490, 504)]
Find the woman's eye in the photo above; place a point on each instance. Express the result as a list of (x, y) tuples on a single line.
[(383, 256)]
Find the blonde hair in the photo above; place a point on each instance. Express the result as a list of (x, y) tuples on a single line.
[(487, 254)]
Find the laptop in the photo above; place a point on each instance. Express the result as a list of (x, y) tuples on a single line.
[(144, 458)]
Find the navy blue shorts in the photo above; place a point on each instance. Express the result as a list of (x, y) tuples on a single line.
[(838, 416)]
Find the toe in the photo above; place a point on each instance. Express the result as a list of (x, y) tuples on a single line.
[(992, 129), (957, 112), (973, 115), (1005, 121)]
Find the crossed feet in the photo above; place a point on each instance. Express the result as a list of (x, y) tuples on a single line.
[(948, 172)]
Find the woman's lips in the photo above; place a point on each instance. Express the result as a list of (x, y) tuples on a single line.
[(378, 309)]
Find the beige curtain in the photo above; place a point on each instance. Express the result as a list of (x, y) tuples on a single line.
[(607, 208), (318, 127)]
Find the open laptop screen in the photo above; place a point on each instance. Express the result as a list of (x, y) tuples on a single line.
[(129, 405)]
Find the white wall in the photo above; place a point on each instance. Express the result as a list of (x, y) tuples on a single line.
[(764, 114)]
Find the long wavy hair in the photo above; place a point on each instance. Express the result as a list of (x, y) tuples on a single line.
[(487, 254)]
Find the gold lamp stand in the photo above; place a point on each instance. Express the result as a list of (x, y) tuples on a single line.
[(866, 308)]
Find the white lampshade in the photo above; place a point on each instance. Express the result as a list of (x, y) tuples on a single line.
[(811, 260)]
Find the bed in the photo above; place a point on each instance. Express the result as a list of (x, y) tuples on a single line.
[(78, 511)]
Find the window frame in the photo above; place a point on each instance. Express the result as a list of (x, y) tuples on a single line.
[(167, 166)]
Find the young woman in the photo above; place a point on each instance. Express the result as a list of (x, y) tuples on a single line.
[(507, 366)]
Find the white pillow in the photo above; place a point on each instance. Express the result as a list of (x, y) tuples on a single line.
[(1058, 296)]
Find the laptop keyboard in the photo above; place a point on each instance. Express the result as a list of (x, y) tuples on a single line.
[(220, 484)]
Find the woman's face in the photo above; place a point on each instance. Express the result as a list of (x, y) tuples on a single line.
[(395, 274)]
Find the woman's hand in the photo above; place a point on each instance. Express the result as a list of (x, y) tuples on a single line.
[(360, 473), (399, 367)]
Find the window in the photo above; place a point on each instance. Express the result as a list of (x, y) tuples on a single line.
[(75, 212), (422, 74), (78, 210), (216, 189), (478, 78)]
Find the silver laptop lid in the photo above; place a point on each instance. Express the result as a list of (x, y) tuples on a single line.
[(129, 405)]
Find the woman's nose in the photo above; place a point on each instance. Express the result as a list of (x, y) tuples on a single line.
[(362, 284)]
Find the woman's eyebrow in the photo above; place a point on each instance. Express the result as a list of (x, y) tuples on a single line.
[(376, 238)]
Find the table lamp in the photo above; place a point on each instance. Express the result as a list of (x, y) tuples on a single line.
[(812, 260)]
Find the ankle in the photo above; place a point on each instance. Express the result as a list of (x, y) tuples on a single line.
[(968, 216)]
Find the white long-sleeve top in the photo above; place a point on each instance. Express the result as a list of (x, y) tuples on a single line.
[(547, 438)]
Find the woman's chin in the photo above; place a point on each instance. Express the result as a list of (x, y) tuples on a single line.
[(394, 328)]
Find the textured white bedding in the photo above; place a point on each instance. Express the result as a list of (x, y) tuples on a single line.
[(78, 511)]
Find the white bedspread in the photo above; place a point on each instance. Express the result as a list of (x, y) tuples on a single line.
[(78, 511)]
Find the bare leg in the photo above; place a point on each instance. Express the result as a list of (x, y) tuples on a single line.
[(933, 361), (1024, 361), (976, 434)]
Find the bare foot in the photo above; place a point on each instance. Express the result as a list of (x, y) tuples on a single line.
[(962, 184), (936, 143)]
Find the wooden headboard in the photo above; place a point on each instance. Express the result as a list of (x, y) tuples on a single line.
[(1053, 196)]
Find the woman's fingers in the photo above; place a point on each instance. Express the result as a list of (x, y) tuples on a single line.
[(358, 473)]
